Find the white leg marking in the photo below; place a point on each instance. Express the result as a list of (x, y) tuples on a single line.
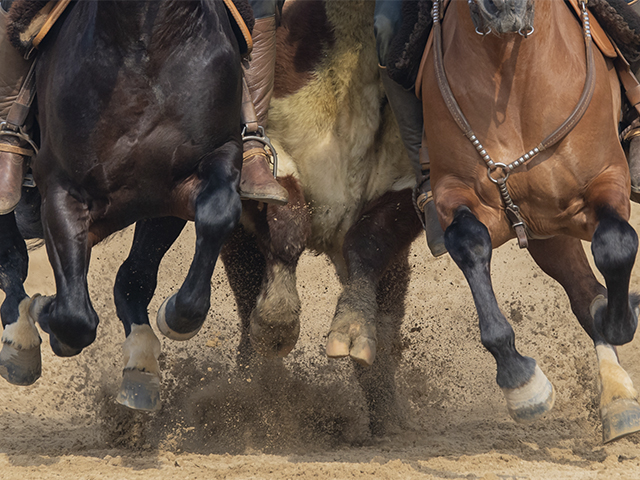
[(23, 334), (614, 380), (141, 350), (534, 391)]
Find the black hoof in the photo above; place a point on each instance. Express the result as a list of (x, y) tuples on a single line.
[(20, 367), (167, 317), (613, 334), (140, 391), (62, 350)]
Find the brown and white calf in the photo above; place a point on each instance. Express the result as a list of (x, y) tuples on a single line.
[(350, 185)]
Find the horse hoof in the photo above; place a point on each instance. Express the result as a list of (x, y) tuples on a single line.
[(620, 418), (364, 351), (163, 326), (20, 367), (532, 400), (140, 391), (338, 345)]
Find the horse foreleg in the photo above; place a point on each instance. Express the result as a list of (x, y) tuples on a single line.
[(20, 361), (563, 259), (385, 228), (217, 212), (134, 287), (614, 247), (526, 389), (69, 317)]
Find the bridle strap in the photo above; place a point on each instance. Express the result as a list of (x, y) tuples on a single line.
[(558, 134)]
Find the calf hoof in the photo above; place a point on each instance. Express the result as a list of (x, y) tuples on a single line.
[(338, 345), (620, 418), (20, 367), (140, 390), (362, 350), (532, 400), (166, 315), (273, 340)]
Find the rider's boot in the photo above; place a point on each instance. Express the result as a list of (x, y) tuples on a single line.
[(13, 148), (257, 181), (407, 110)]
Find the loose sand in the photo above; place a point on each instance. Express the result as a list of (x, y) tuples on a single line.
[(304, 417)]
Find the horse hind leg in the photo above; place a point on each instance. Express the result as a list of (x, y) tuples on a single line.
[(528, 392), (563, 259), (134, 287), (217, 212), (614, 247), (20, 360)]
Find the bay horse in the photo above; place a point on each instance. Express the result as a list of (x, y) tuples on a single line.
[(139, 109), (541, 110)]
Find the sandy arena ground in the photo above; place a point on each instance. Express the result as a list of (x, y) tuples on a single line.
[(304, 417)]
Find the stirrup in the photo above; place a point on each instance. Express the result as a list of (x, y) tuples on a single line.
[(8, 130), (629, 133), (261, 137)]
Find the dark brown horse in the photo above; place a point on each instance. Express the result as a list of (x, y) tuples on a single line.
[(504, 162), (139, 108)]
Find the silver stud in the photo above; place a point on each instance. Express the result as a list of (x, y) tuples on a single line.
[(487, 158), (483, 152), (526, 156)]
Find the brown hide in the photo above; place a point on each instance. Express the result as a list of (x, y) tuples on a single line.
[(302, 37), (514, 92)]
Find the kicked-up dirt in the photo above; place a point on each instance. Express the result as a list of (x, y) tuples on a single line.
[(304, 416)]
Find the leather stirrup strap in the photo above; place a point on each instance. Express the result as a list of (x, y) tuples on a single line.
[(248, 111), (20, 109)]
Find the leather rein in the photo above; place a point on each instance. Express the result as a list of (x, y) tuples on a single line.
[(504, 170)]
